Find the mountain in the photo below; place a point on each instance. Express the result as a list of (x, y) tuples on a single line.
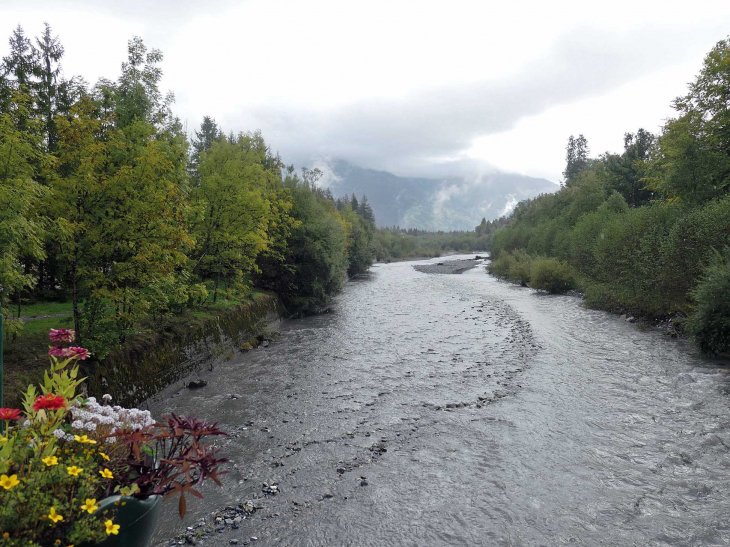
[(450, 203)]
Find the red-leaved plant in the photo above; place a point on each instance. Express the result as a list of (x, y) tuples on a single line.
[(169, 458)]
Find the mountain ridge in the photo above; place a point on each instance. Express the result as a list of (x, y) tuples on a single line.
[(445, 203)]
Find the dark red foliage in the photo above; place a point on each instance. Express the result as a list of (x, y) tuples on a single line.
[(171, 459)]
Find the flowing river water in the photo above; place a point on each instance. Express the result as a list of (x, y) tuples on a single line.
[(434, 410)]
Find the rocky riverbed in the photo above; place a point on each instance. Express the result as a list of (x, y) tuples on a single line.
[(458, 410)]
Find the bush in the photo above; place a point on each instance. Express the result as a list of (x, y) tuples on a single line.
[(500, 267), (551, 275), (514, 266), (709, 325)]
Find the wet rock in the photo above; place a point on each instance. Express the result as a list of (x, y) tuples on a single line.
[(196, 384), (363, 483), (327, 496), (270, 488)]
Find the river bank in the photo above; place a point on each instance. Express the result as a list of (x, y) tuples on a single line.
[(154, 361), (457, 410)]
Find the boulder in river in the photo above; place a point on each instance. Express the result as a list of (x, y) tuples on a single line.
[(195, 384)]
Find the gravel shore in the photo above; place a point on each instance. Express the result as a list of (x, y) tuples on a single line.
[(449, 266)]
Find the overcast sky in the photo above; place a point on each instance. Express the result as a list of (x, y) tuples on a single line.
[(416, 88)]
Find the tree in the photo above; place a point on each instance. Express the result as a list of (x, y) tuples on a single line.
[(576, 157), (21, 231), (234, 212), (709, 96), (22, 62), (50, 91), (482, 229), (202, 141), (366, 211)]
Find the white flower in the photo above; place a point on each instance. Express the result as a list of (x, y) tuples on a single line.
[(26, 423), (68, 437), (107, 397), (111, 440), (77, 424), (59, 433), (90, 426)]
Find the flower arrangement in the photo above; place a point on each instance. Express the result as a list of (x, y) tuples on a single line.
[(63, 454)]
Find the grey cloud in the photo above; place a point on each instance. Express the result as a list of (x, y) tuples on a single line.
[(405, 136)]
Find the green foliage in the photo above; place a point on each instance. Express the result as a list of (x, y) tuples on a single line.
[(21, 228), (552, 275), (515, 266), (641, 228), (709, 325), (232, 210)]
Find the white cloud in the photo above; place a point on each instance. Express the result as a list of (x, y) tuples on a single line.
[(404, 85)]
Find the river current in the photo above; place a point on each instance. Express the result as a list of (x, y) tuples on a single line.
[(432, 410)]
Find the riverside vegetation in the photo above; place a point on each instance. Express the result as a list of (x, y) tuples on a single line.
[(118, 225), (646, 231)]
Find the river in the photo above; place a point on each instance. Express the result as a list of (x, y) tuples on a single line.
[(433, 410)]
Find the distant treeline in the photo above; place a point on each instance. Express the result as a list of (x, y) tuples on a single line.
[(395, 243), (646, 231)]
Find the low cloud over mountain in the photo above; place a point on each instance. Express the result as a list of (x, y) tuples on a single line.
[(445, 203)]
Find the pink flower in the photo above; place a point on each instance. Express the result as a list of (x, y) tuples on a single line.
[(78, 353), (58, 351), (62, 335)]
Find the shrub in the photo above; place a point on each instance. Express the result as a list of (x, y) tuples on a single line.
[(709, 325), (520, 268), (552, 275), (501, 265), (514, 266)]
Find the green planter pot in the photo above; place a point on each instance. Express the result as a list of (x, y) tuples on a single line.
[(136, 519)]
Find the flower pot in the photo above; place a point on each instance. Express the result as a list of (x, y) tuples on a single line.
[(136, 519)]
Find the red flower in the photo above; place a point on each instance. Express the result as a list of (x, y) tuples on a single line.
[(9, 413), (50, 401), (62, 335), (78, 353), (58, 351)]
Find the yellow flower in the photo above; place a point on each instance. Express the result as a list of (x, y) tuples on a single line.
[(74, 471), (84, 439), (90, 505), (50, 461), (55, 517), (8, 482), (104, 456), (6, 535), (111, 528), (57, 542), (106, 474), (3, 439)]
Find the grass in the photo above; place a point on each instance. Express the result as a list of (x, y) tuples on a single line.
[(45, 308)]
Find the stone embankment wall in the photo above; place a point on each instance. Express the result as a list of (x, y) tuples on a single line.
[(149, 365)]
